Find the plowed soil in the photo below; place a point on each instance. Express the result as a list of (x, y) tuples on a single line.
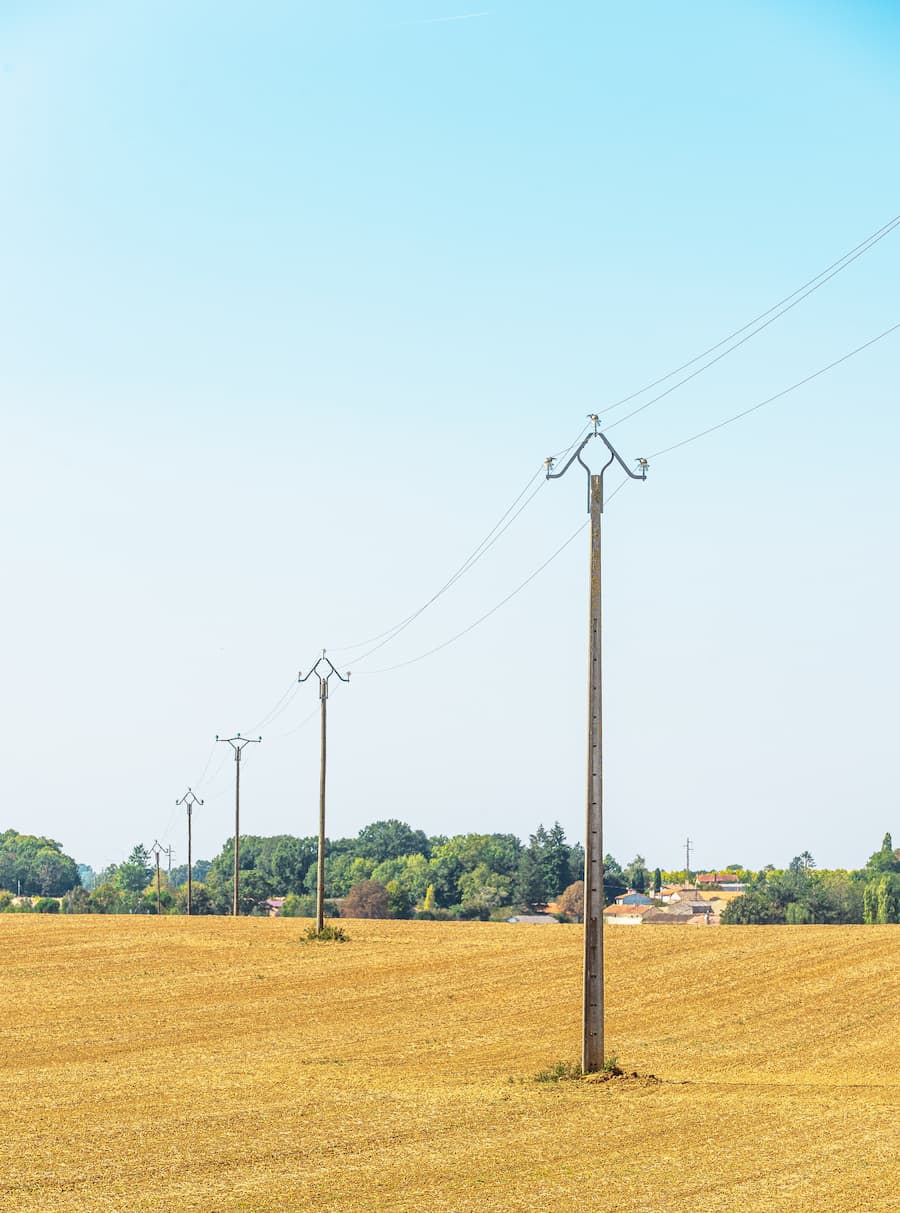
[(213, 1065)]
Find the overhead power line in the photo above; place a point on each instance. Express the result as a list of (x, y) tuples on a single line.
[(778, 395), (503, 523), (756, 326), (665, 451), (465, 631)]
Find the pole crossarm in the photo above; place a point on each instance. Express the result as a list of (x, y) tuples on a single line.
[(614, 457), (189, 798), (237, 743), (323, 670)]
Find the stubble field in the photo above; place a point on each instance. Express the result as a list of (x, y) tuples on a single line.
[(214, 1065)]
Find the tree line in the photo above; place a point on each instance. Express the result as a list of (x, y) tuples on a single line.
[(800, 894), (392, 870)]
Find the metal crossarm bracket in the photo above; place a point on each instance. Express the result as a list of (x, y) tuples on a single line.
[(614, 457)]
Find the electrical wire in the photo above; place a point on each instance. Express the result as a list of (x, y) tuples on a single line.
[(297, 727), (490, 538), (528, 500), (803, 292), (503, 523), (465, 631), (778, 395), (503, 601), (277, 708), (206, 766)]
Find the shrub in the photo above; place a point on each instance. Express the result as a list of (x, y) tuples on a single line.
[(76, 901), (570, 902), (328, 934), (368, 899), (560, 1071), (46, 905)]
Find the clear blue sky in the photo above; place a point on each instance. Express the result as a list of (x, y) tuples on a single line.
[(295, 299)]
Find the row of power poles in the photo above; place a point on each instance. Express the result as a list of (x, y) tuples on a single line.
[(324, 670)]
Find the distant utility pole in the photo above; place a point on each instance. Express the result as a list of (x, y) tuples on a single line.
[(169, 851), (237, 743), (189, 800), (157, 848), (687, 860), (323, 670), (592, 1055)]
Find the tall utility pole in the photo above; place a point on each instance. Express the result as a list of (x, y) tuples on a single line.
[(687, 860), (157, 848), (237, 743), (323, 670), (189, 800), (592, 1053)]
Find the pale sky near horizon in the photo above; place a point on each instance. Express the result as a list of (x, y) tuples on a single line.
[(297, 297)]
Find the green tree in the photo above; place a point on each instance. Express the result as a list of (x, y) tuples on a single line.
[(636, 875), (751, 909), (35, 865), (201, 901), (134, 874), (76, 901), (530, 888), (482, 887), (391, 840), (887, 898), (106, 898), (400, 904), (884, 860), (614, 882), (657, 881)]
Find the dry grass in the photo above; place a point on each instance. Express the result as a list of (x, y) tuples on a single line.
[(212, 1066)]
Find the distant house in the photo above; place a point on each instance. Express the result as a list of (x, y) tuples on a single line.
[(720, 900), (626, 916), (680, 893), (536, 920), (631, 898), (273, 906), (722, 880), (683, 913), (668, 915)]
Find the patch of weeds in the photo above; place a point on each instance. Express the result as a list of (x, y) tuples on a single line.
[(328, 934), (561, 1071)]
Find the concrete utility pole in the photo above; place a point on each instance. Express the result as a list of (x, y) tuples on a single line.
[(687, 860), (237, 743), (189, 800), (323, 669), (592, 1054), (157, 848)]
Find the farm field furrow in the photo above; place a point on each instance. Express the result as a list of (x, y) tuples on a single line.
[(218, 1065)]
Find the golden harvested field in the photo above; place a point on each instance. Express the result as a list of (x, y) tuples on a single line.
[(212, 1065)]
